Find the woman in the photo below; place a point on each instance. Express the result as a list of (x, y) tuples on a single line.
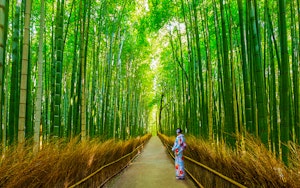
[(179, 146)]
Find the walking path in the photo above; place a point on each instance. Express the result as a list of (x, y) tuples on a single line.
[(153, 168)]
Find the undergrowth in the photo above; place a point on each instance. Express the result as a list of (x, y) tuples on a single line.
[(252, 166), (60, 164)]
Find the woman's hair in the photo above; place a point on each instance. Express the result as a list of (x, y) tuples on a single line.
[(178, 130)]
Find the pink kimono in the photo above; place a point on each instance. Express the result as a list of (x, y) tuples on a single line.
[(179, 146)]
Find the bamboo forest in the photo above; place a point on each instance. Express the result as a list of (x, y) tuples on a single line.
[(86, 82)]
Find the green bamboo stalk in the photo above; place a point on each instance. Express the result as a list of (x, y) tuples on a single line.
[(73, 94), (221, 100), (272, 93), (15, 79), (209, 80), (82, 57), (38, 103), (229, 123), (193, 120), (24, 72), (296, 79), (57, 131), (93, 98), (260, 83), (246, 76), (29, 102), (4, 4), (233, 77), (285, 84)]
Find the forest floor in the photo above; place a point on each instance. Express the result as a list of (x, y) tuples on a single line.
[(153, 168)]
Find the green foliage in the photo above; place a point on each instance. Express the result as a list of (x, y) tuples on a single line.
[(161, 12)]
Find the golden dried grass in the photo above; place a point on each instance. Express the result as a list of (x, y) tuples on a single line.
[(254, 166), (61, 164)]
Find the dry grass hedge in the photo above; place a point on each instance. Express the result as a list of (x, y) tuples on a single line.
[(254, 166), (61, 164)]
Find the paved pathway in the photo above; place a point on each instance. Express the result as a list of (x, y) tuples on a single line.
[(153, 168)]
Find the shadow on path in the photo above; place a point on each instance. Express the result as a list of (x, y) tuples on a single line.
[(153, 168)]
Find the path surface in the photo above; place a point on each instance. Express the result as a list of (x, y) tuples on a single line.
[(153, 168)]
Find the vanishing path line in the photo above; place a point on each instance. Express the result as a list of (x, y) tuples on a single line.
[(153, 168)]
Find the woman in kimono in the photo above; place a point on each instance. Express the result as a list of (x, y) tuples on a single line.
[(178, 147)]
